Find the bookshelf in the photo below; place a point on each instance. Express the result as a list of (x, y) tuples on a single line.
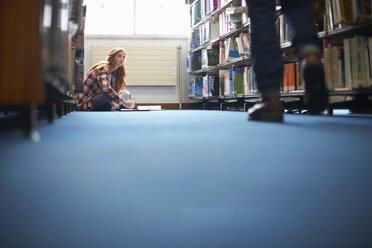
[(38, 54), (353, 95)]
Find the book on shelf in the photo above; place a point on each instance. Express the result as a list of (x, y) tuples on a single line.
[(239, 45), (368, 60), (79, 39), (191, 88), (234, 19), (231, 49), (299, 80), (242, 44), (347, 63), (205, 87), (211, 85), (232, 82), (341, 12), (224, 82), (226, 26), (246, 43), (222, 57), (194, 61), (203, 8), (291, 76), (284, 86), (235, 10), (337, 65), (210, 56), (227, 84), (195, 11), (194, 39), (253, 83), (326, 58), (245, 18), (221, 74), (223, 2), (214, 84), (336, 11), (239, 81), (250, 86), (209, 31), (363, 59), (208, 6), (283, 30), (318, 10), (246, 80), (78, 78), (199, 87), (362, 10)]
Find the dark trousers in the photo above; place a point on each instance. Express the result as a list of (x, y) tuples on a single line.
[(265, 47), (102, 102)]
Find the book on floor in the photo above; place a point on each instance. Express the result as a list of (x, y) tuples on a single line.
[(149, 107), (144, 108)]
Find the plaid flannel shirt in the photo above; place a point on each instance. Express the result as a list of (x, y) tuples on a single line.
[(97, 82)]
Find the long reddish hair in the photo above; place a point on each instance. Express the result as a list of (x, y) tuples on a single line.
[(119, 82)]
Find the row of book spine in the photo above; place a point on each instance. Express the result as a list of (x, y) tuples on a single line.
[(229, 20), (240, 81), (337, 13), (327, 13), (347, 12), (348, 62), (202, 8), (225, 51)]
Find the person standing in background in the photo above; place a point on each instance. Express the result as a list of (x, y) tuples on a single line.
[(267, 58)]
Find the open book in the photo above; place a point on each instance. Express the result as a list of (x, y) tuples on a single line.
[(145, 108)]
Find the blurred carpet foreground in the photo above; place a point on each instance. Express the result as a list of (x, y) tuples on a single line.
[(188, 179)]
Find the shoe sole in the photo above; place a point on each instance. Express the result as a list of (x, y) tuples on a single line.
[(316, 99)]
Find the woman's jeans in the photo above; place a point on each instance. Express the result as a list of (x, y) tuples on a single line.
[(102, 102), (265, 44)]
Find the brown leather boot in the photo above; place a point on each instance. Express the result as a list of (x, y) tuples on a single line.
[(269, 109)]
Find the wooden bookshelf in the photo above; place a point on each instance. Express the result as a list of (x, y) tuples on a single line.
[(37, 73)]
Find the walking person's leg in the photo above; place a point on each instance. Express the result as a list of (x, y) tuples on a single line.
[(307, 47), (266, 60)]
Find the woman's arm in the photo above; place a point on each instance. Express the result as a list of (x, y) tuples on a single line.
[(129, 104)]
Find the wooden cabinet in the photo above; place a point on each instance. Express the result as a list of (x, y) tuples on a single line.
[(20, 48)]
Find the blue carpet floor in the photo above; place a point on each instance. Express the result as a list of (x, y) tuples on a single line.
[(187, 179)]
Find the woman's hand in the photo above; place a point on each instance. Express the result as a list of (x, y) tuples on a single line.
[(129, 104), (116, 106)]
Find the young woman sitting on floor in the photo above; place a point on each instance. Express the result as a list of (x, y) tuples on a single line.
[(103, 83)]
